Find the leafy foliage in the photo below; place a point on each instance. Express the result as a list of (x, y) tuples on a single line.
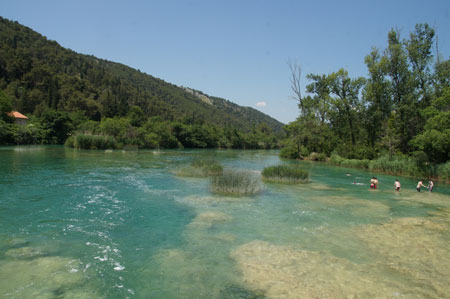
[(402, 109)]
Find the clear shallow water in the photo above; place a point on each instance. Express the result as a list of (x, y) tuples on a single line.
[(92, 224)]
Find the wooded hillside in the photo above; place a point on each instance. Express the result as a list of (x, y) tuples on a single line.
[(38, 74)]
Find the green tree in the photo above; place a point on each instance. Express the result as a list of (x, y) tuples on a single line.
[(435, 139), (377, 97), (5, 108), (136, 116), (346, 101), (57, 126)]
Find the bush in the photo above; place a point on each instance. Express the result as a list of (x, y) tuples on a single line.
[(236, 183), (289, 152), (87, 141), (443, 172), (355, 163), (396, 165), (70, 142), (318, 157), (201, 168), (285, 174), (336, 159)]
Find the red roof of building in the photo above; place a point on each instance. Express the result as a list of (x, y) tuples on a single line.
[(16, 114)]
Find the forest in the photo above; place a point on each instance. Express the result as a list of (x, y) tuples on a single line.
[(93, 103), (395, 120)]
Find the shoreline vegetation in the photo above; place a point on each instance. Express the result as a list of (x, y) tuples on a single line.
[(396, 165), (396, 120)]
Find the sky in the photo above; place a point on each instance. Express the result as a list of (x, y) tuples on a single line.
[(237, 50)]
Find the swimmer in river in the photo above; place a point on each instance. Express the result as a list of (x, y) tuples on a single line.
[(397, 185), (347, 174), (419, 185), (373, 183), (430, 186)]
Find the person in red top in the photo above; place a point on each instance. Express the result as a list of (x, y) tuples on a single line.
[(373, 183)]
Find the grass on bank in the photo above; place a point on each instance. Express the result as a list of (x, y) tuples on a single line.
[(201, 168), (236, 183), (89, 141), (397, 165), (285, 174)]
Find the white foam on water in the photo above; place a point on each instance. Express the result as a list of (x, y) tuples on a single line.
[(118, 267)]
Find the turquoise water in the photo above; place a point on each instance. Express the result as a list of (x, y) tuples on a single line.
[(94, 224)]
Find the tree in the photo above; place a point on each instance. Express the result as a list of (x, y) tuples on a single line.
[(137, 116), (404, 100), (321, 102), (435, 139), (377, 96), (5, 108), (419, 54), (347, 101), (295, 79), (57, 125)]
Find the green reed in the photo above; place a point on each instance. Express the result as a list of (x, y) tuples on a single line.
[(236, 183), (285, 174)]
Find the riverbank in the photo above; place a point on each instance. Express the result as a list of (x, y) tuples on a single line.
[(401, 166)]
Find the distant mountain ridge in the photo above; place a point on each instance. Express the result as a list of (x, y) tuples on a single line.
[(38, 73)]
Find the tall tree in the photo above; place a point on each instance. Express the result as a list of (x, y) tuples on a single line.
[(377, 96), (419, 48), (321, 101), (347, 100), (402, 90)]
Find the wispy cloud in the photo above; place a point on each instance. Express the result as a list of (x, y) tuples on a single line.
[(261, 104)]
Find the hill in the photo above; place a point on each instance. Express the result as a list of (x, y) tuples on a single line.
[(38, 74)]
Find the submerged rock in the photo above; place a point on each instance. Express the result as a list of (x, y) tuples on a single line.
[(416, 248), (285, 272), (212, 199), (208, 219), (42, 277), (357, 206), (23, 253), (226, 237), (235, 291)]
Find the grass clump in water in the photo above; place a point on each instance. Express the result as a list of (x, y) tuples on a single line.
[(89, 141), (201, 168), (236, 183), (285, 174)]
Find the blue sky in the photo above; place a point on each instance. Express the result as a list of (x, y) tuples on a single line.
[(237, 50)]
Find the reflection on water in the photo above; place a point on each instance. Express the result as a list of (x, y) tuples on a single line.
[(87, 224)]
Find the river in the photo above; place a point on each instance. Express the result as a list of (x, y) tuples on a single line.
[(96, 224)]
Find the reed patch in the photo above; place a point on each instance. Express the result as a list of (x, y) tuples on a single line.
[(285, 174), (236, 183), (201, 168)]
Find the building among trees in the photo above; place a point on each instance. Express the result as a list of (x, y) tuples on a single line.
[(19, 118)]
